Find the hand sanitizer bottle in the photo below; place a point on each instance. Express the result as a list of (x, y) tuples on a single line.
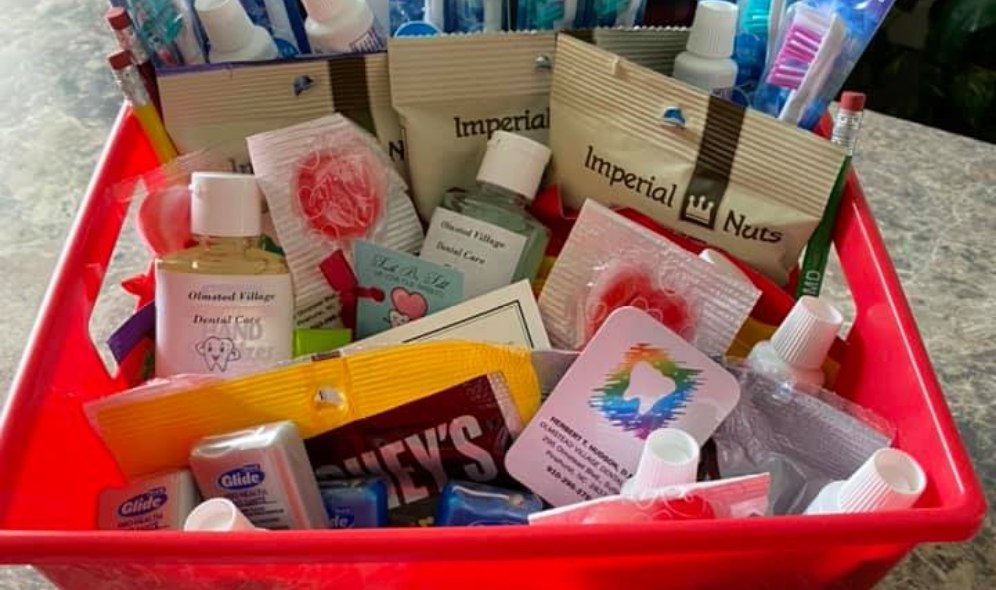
[(224, 306), (232, 35), (488, 234), (706, 62), (342, 26), (799, 346), (889, 480)]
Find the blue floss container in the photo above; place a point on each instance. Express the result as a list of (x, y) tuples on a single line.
[(359, 503), (473, 504)]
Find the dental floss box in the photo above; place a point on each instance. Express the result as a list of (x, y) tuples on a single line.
[(265, 472), (160, 501), (357, 503), (634, 377), (466, 503)]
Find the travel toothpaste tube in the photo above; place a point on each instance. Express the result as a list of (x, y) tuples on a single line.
[(737, 497)]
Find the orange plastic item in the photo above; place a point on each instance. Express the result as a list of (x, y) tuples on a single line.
[(52, 466)]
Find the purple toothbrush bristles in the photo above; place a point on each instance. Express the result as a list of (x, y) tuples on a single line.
[(799, 49)]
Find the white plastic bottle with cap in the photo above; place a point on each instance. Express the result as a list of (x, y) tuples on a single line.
[(706, 61), (218, 515), (799, 346), (487, 233), (889, 480), (231, 34), (342, 26), (670, 458), (225, 306)]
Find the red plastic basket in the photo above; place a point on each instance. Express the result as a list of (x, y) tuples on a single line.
[(52, 466)]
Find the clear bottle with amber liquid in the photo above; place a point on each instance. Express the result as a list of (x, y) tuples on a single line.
[(224, 306), (487, 233)]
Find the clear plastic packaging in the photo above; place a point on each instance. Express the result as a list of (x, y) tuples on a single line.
[(805, 437), (578, 14), (814, 80), (609, 262), (328, 182)]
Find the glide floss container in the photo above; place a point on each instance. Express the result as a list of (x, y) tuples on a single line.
[(218, 515), (799, 346), (160, 501), (265, 472), (670, 458), (707, 63), (889, 480), (342, 26), (232, 35)]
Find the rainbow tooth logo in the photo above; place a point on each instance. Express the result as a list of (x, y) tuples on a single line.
[(646, 391)]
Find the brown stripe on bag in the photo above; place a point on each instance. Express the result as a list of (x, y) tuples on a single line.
[(711, 175), (350, 95)]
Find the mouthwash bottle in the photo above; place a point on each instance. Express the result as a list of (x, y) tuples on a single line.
[(224, 306), (488, 234)]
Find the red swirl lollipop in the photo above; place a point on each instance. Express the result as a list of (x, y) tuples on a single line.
[(341, 191), (627, 285)]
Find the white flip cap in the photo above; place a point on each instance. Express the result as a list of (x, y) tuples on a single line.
[(889, 480), (225, 205), (805, 337), (514, 162), (217, 515), (723, 263), (670, 457), (226, 23), (713, 29)]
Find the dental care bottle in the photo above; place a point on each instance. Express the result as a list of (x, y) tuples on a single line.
[(487, 233), (799, 346), (706, 63), (670, 458), (225, 306), (342, 26), (889, 480), (232, 35)]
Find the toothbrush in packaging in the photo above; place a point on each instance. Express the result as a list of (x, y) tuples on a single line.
[(819, 45), (543, 15)]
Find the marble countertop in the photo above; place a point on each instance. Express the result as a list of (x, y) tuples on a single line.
[(933, 193)]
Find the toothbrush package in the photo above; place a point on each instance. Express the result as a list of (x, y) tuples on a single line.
[(610, 262), (728, 176), (558, 15), (218, 107), (452, 93), (328, 183), (283, 20), (818, 46), (152, 428), (805, 437)]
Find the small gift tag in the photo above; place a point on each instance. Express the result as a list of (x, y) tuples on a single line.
[(634, 377), (413, 288)]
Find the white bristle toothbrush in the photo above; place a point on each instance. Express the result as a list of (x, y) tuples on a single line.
[(813, 41)]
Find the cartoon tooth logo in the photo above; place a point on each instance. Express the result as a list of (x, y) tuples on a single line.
[(646, 391), (218, 352)]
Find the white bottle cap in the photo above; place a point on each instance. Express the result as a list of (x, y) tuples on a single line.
[(670, 457), (325, 11), (723, 264), (805, 337), (217, 515), (889, 480), (226, 23), (713, 29), (514, 162), (225, 205)]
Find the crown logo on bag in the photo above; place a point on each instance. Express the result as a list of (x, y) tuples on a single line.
[(699, 208)]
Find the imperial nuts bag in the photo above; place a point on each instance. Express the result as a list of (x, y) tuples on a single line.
[(218, 107), (626, 136), (453, 92)]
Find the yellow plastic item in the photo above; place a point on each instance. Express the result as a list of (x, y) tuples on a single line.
[(149, 429)]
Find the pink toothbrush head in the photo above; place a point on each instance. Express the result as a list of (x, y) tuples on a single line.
[(803, 38)]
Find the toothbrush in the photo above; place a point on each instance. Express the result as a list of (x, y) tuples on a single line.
[(492, 16), (434, 13), (775, 13), (812, 44), (555, 14)]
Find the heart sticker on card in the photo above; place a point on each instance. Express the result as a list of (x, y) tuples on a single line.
[(410, 305)]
